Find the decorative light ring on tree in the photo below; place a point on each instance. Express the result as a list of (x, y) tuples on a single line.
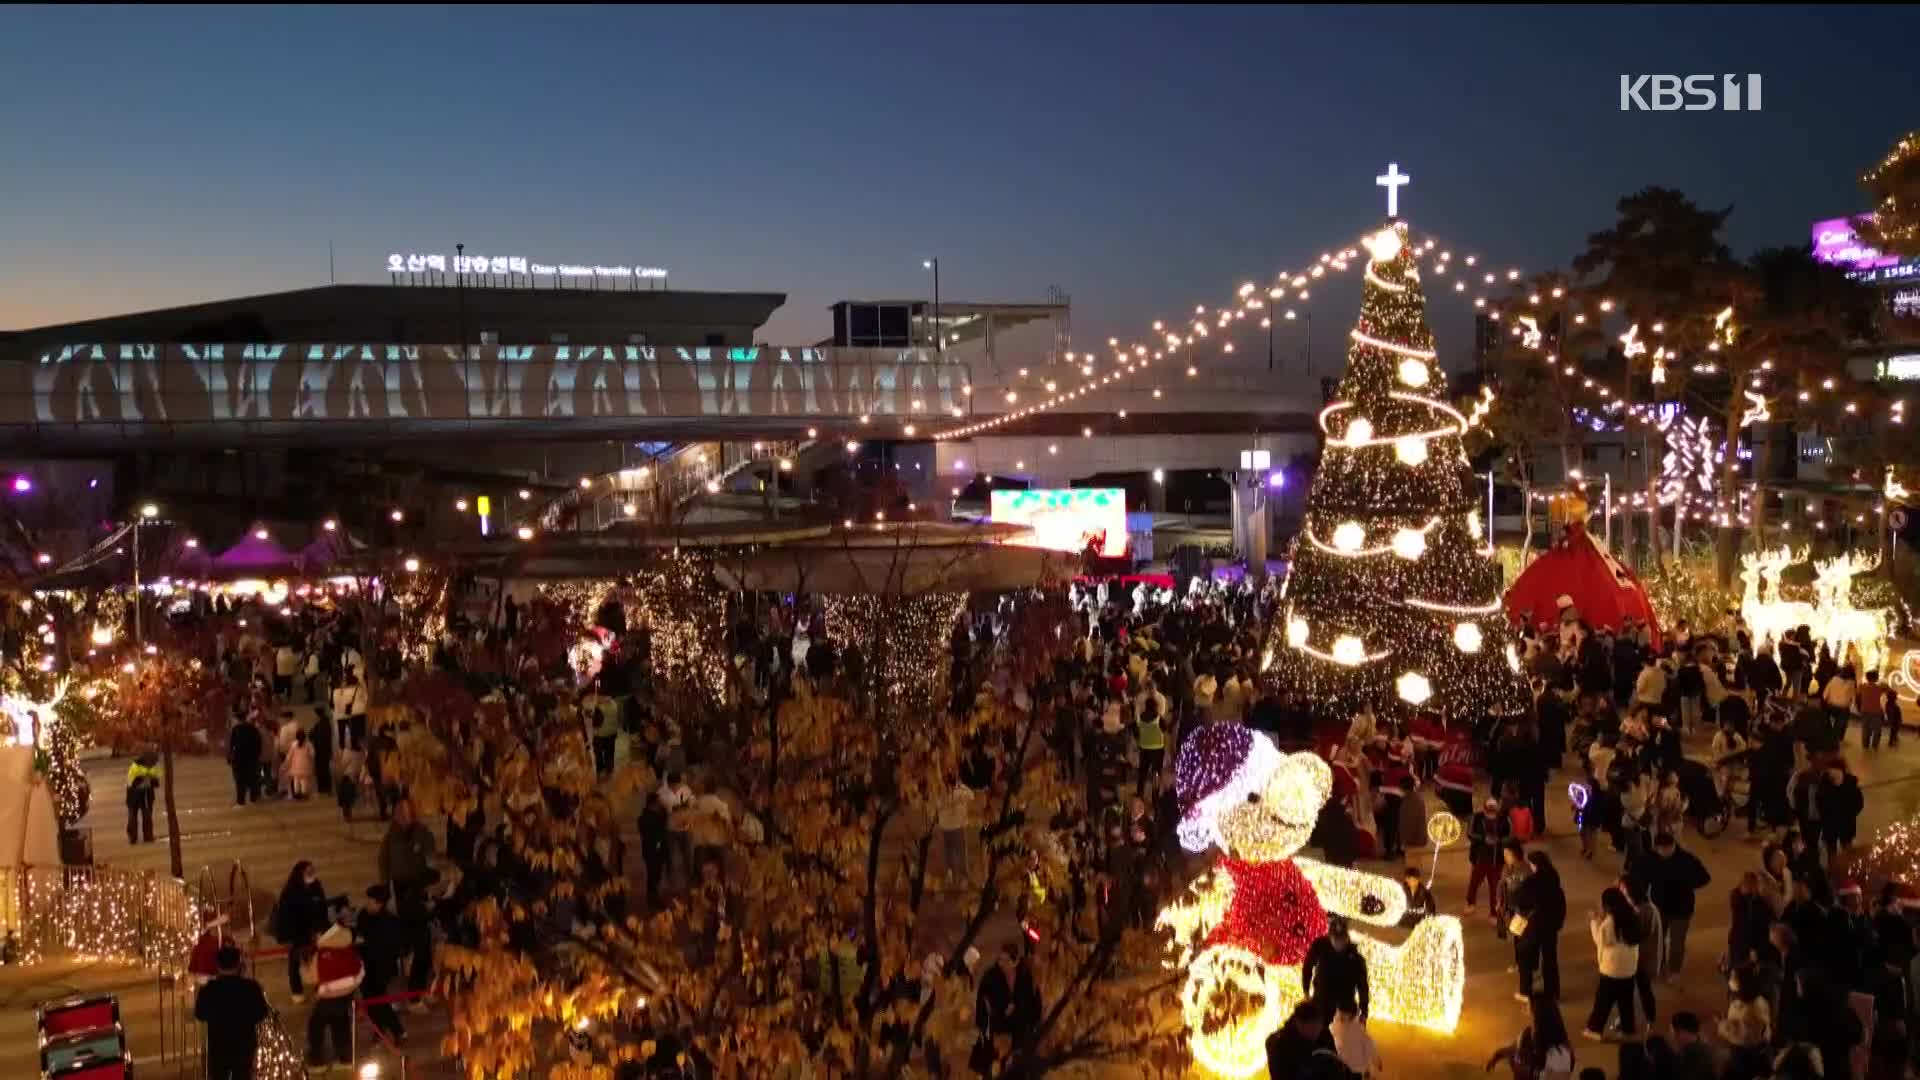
[(1356, 437), (1344, 654), (1375, 279), (1488, 608), (1343, 533), (1452, 413), (1408, 351)]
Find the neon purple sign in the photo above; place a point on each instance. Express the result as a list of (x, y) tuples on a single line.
[(1834, 241)]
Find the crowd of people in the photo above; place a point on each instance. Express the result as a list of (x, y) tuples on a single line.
[(1656, 746), (1818, 982)]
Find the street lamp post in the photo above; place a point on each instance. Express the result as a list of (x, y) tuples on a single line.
[(939, 337), (146, 513), (1308, 316)]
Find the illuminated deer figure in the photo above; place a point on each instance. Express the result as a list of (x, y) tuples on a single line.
[(1768, 616), (1750, 593), (1841, 624)]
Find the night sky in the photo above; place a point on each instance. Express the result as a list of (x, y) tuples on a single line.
[(1142, 159)]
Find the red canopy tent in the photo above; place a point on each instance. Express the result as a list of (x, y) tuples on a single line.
[(1577, 567)]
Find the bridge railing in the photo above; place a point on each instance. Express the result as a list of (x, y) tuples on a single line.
[(79, 385)]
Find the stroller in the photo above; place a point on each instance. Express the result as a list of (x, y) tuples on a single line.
[(1706, 808), (1733, 778)]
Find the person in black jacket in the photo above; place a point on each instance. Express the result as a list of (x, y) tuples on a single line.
[(243, 757), (298, 918), (1764, 677), (1840, 802), (1291, 1049), (1823, 1018), (1334, 973), (1485, 833), (1008, 1003), (1673, 875), (1768, 766), (232, 1006), (655, 846), (382, 940), (1690, 686), (1543, 903), (1339, 842), (322, 736)]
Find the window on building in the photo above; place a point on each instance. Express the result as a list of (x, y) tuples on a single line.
[(637, 339), (489, 337)]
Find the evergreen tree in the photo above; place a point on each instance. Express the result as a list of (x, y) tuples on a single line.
[(1391, 602)]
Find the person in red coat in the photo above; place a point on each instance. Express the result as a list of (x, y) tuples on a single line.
[(203, 963), (334, 972)]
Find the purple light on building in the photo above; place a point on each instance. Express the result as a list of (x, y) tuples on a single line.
[(21, 484), (1834, 241), (1276, 479)]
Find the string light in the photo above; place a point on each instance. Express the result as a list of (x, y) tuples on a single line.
[(903, 640)]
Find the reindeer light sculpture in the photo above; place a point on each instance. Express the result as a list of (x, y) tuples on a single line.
[(1841, 624)]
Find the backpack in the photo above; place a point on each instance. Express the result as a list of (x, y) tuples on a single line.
[(1520, 822)]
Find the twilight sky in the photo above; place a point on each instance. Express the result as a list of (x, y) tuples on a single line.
[(1143, 159)]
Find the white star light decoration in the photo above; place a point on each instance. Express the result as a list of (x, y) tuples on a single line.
[(1383, 245), (1690, 457), (1530, 332), (1467, 637), (1414, 688)]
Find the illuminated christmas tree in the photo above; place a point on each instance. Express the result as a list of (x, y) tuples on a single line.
[(1392, 600)]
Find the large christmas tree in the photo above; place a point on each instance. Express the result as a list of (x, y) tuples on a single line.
[(1392, 600)]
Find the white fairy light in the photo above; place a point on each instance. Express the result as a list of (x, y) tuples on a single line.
[(1467, 637), (1414, 688), (1349, 651)]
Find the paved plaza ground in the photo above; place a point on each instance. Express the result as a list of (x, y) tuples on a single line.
[(266, 839)]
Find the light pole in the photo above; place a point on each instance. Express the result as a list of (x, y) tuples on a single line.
[(939, 336), (147, 513), (1309, 340)]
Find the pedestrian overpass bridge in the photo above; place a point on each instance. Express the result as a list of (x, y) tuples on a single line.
[(113, 396)]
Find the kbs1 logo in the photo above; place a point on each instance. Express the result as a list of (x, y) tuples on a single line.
[(1691, 93)]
